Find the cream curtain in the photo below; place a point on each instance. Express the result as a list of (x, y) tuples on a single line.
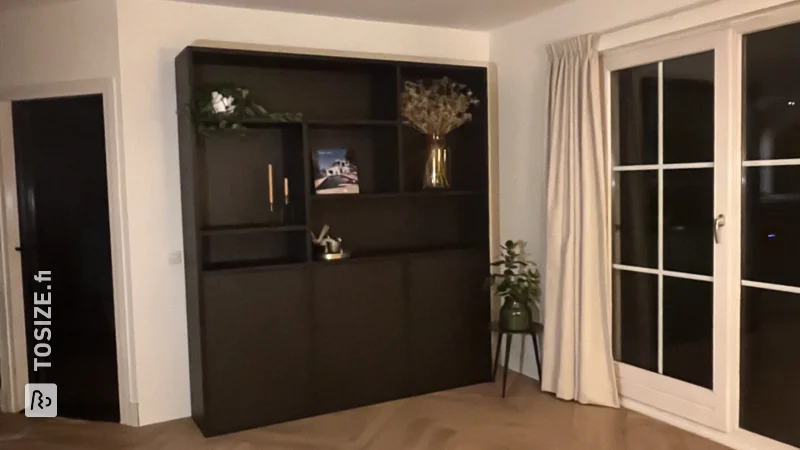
[(578, 363)]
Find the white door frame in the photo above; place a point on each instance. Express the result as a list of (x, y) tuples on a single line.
[(12, 320), (704, 406), (730, 433)]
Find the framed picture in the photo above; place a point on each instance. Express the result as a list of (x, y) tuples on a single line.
[(335, 172)]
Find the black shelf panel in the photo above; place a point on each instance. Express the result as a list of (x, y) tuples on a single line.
[(441, 193), (250, 228), (352, 123), (389, 195), (401, 253), (256, 264), (256, 122)]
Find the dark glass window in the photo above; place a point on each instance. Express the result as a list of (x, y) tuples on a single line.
[(771, 225), (636, 297), (770, 366), (772, 93), (770, 318), (689, 109), (636, 100), (689, 221), (637, 219), (688, 330)]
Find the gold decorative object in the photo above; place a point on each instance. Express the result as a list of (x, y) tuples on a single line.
[(334, 256), (330, 247), (435, 109), (436, 166)]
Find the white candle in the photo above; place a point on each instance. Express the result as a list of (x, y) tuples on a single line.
[(271, 202), (286, 190)]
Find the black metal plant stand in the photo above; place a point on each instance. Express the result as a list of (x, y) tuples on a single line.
[(532, 331)]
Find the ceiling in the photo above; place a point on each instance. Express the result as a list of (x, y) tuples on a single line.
[(14, 4), (466, 14)]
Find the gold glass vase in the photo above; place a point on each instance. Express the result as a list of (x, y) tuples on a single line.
[(436, 166)]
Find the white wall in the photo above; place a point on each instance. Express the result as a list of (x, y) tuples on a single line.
[(63, 47), (58, 42), (520, 54), (151, 33)]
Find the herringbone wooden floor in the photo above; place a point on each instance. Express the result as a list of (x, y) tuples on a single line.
[(472, 418)]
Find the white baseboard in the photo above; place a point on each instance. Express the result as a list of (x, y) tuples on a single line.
[(738, 439)]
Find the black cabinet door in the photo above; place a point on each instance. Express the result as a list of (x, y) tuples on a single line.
[(256, 334), (449, 321), (360, 334)]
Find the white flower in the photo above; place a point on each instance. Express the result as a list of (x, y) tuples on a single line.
[(222, 105), (217, 102), (228, 101)]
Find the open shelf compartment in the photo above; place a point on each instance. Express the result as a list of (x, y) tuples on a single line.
[(257, 249), (373, 151), (235, 188), (467, 145), (320, 88), (412, 223)]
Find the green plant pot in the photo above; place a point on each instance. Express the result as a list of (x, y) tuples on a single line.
[(515, 315)]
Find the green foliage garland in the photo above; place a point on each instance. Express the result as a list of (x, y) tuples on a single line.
[(226, 107)]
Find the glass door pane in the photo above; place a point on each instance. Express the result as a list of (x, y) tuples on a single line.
[(638, 318), (689, 109), (638, 218), (637, 100), (664, 172), (688, 325), (770, 310), (689, 221)]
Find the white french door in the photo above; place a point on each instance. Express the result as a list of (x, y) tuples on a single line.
[(704, 161), (672, 137)]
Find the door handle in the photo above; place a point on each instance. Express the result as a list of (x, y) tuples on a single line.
[(719, 222)]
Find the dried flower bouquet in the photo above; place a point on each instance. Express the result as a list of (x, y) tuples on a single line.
[(437, 108)]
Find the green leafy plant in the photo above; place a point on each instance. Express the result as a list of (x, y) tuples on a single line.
[(226, 107), (515, 277)]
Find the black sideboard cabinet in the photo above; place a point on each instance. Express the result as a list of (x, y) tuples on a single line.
[(275, 335)]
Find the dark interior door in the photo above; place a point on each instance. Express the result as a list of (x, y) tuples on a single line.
[(64, 229)]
